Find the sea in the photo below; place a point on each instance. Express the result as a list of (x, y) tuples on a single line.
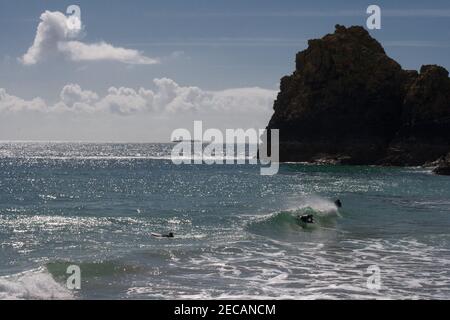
[(237, 233)]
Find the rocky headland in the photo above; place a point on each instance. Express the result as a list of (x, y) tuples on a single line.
[(347, 102)]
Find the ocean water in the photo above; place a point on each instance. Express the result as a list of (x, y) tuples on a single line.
[(236, 232)]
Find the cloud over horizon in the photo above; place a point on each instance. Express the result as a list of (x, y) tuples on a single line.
[(167, 97), (127, 114), (54, 37)]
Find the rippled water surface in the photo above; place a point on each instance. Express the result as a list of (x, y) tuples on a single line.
[(236, 232)]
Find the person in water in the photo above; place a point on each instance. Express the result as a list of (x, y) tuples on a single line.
[(169, 235), (307, 218), (158, 235), (338, 203)]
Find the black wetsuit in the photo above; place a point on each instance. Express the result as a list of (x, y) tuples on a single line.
[(158, 235), (170, 235), (307, 218)]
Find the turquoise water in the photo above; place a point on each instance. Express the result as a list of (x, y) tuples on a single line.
[(236, 232)]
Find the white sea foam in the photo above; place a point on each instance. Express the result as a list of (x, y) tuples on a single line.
[(32, 284), (318, 204), (310, 271)]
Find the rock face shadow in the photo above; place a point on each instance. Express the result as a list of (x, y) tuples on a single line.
[(348, 102)]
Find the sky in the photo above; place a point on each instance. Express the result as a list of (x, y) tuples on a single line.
[(137, 70)]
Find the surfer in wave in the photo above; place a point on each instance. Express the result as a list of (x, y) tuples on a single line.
[(307, 218)]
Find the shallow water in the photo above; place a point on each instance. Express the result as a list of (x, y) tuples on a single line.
[(236, 232)]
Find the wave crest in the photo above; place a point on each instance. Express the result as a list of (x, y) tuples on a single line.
[(32, 284), (324, 211)]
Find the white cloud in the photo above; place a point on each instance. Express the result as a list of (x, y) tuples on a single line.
[(9, 103), (126, 114), (79, 51), (125, 101), (52, 29), (73, 97), (53, 36), (167, 97), (73, 93)]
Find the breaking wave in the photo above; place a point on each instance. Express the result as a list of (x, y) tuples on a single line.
[(324, 212), (37, 284)]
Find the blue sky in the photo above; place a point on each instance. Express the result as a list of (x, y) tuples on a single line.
[(212, 45)]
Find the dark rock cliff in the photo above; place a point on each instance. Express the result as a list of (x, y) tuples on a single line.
[(443, 166), (348, 102), (424, 134)]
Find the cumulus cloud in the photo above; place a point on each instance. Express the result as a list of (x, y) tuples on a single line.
[(53, 36), (75, 98), (10, 103), (127, 114), (167, 97), (79, 51)]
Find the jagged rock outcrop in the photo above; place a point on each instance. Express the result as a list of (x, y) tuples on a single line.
[(348, 102), (424, 134), (443, 166)]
